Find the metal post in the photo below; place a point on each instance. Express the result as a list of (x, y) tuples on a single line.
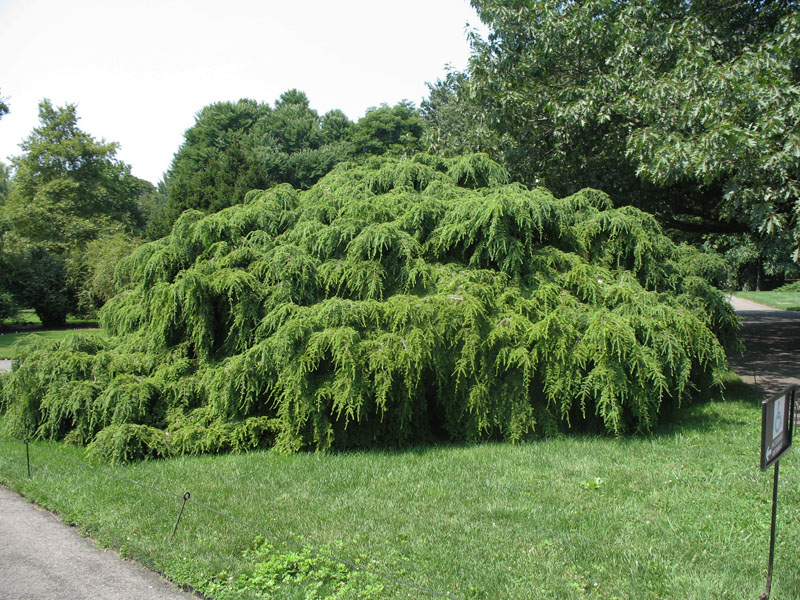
[(765, 595), (28, 456)]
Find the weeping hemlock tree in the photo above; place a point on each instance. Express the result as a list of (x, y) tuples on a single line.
[(394, 301)]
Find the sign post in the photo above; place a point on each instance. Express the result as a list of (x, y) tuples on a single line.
[(777, 417)]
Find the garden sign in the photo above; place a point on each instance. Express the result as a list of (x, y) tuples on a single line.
[(777, 420)]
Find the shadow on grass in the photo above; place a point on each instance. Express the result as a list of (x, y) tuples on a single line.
[(702, 417), (7, 328)]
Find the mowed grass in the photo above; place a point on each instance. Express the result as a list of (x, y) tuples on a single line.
[(684, 513), (27, 323), (782, 300)]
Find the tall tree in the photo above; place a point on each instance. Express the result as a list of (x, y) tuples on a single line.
[(235, 147), (394, 130), (454, 123), (5, 182), (8, 304), (68, 186), (68, 189), (688, 109)]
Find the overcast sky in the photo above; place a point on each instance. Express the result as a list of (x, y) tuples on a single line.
[(140, 70)]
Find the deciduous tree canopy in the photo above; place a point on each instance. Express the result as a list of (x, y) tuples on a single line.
[(69, 187), (394, 301), (67, 190), (686, 109)]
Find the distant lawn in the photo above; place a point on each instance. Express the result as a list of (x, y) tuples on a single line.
[(782, 300), (27, 318), (8, 349), (683, 513), (27, 323)]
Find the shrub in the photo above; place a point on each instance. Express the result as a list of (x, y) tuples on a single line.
[(390, 303)]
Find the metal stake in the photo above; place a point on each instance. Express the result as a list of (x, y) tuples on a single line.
[(28, 456), (765, 595), (186, 496)]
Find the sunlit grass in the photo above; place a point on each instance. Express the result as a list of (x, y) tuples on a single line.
[(782, 300), (683, 513), (27, 323)]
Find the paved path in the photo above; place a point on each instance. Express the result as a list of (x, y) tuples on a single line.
[(772, 341), (43, 559)]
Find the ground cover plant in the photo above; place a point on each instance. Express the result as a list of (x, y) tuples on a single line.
[(681, 513), (395, 301)]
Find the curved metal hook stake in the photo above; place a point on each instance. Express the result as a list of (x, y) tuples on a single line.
[(186, 497)]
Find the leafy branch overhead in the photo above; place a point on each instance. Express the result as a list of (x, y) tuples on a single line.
[(393, 301), (688, 110)]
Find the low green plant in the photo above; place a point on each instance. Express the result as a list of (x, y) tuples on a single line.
[(794, 286), (307, 574), (395, 301)]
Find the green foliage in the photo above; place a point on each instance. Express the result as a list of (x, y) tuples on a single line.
[(790, 287), (10, 263), (44, 286), (687, 110), (92, 270), (454, 123), (276, 570), (127, 443), (395, 130), (395, 301), (5, 182), (69, 187), (236, 147), (68, 190)]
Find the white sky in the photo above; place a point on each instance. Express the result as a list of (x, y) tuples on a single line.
[(140, 70)]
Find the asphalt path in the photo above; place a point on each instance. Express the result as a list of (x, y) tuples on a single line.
[(43, 559), (772, 347)]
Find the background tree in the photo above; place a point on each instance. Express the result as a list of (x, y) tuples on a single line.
[(688, 109), (68, 189), (236, 147), (395, 130), (454, 122), (8, 303), (211, 169), (5, 182), (42, 283), (9, 271), (91, 272)]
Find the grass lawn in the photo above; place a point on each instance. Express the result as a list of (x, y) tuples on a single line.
[(684, 513), (782, 300), (27, 323)]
